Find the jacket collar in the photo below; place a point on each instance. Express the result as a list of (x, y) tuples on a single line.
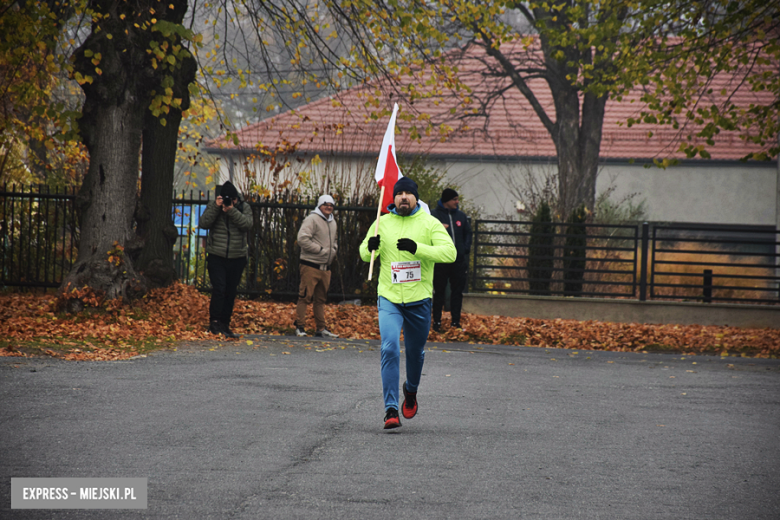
[(391, 209), (441, 206), (318, 212)]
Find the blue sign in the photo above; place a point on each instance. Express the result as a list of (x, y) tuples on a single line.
[(186, 218)]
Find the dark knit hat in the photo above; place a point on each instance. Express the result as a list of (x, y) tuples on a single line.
[(228, 190), (448, 194), (406, 184)]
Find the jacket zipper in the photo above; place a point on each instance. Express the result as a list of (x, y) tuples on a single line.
[(227, 226), (403, 233), (329, 241)]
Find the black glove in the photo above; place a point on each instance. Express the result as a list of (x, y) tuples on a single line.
[(407, 244), (373, 243)]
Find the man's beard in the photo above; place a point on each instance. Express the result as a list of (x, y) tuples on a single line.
[(404, 211)]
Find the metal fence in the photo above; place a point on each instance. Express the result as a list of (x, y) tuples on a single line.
[(273, 253), (503, 253), (710, 263), (642, 261), (39, 237)]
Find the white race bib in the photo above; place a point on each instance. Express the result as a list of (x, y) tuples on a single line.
[(404, 272)]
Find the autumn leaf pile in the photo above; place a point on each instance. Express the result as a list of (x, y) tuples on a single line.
[(179, 313)]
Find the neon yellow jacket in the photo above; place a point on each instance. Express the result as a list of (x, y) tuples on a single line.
[(434, 246)]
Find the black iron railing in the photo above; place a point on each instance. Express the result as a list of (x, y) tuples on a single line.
[(38, 235), (714, 263), (643, 261), (273, 253), (39, 239), (504, 260)]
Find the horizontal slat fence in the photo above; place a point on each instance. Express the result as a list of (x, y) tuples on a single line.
[(502, 255), (705, 263), (714, 264)]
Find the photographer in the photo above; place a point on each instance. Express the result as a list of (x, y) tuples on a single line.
[(228, 220)]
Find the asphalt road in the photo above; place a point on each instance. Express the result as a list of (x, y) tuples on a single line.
[(292, 428)]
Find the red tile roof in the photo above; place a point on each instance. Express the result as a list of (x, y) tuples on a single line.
[(342, 125)]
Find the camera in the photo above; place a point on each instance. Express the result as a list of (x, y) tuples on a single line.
[(227, 201)]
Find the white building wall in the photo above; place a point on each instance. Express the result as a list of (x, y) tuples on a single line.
[(709, 193), (692, 194), (701, 194)]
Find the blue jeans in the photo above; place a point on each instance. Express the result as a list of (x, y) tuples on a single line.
[(415, 320)]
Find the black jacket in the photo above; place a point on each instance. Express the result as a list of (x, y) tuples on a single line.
[(458, 228)]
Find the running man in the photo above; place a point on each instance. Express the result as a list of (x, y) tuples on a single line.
[(410, 242)]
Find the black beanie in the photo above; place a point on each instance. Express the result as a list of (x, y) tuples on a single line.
[(406, 184), (228, 190), (448, 194)]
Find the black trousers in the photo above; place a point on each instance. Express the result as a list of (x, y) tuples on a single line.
[(225, 274), (457, 275)]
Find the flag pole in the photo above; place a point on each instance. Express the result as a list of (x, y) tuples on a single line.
[(376, 231)]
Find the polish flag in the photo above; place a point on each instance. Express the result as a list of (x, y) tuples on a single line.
[(387, 171)]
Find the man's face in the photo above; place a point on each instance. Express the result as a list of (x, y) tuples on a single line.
[(326, 209), (451, 204), (405, 202)]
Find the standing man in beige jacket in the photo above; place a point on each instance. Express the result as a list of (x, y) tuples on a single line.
[(317, 240)]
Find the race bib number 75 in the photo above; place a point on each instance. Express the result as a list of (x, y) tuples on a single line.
[(404, 272)]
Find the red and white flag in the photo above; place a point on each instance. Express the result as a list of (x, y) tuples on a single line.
[(387, 170)]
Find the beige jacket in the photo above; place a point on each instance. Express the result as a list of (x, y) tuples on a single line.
[(317, 239)]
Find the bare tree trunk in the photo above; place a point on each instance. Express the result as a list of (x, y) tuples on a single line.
[(118, 94), (155, 227), (567, 145), (577, 143), (591, 126), (154, 217), (575, 130), (107, 202), (116, 87)]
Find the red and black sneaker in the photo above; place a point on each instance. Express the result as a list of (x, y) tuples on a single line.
[(409, 408), (391, 419)]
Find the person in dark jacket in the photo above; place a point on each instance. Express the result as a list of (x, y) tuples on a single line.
[(457, 225), (228, 219)]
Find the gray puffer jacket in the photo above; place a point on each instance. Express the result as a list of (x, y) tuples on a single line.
[(227, 231)]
